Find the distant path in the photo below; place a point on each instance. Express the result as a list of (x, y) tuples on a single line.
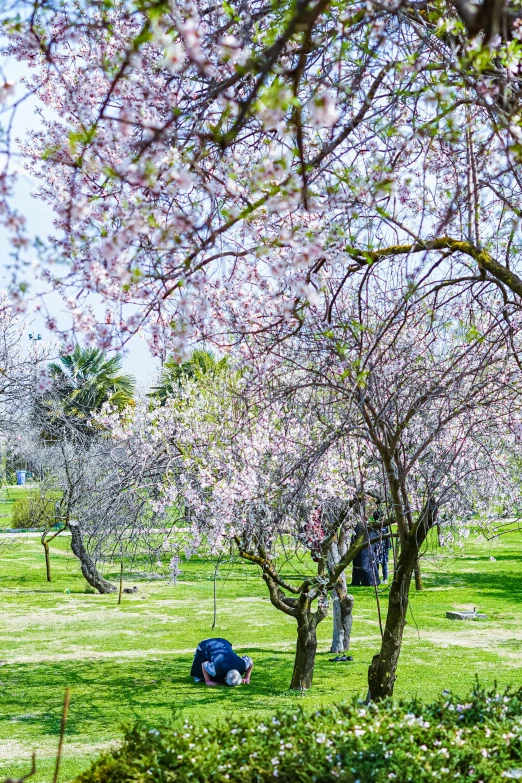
[(30, 531)]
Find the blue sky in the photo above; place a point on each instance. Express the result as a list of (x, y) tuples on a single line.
[(137, 360)]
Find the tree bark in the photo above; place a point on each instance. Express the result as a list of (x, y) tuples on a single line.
[(299, 606), (342, 617), (47, 560), (382, 671), (121, 582), (306, 649), (383, 668), (418, 576), (341, 601), (45, 543), (87, 564)]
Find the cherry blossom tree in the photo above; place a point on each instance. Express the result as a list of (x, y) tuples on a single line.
[(260, 478), (101, 491), (205, 161), (428, 384), (409, 400), (23, 368)]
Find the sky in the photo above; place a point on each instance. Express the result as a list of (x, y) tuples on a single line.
[(137, 359)]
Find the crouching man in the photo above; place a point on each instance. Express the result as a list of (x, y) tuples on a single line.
[(217, 664)]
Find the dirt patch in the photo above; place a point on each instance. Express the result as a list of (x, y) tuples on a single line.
[(105, 618), (86, 653), (253, 600), (474, 636), (13, 749)]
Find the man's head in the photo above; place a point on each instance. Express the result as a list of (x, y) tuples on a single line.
[(233, 678)]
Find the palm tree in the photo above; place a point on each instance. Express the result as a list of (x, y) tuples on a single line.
[(83, 381), (86, 379), (202, 363)]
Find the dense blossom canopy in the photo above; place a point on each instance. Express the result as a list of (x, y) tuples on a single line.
[(207, 162)]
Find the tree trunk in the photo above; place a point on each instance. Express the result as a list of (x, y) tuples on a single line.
[(342, 617), (121, 582), (337, 630), (418, 576), (342, 602), (305, 653), (383, 668), (88, 566), (299, 606), (47, 560), (45, 543)]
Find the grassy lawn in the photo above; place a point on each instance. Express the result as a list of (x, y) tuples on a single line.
[(130, 662)]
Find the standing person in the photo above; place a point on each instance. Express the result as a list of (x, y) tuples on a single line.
[(364, 567), (382, 547), (382, 554), (217, 664)]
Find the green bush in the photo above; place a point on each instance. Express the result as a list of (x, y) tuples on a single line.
[(478, 739), (33, 511)]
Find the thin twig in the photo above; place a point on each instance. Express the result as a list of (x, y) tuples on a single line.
[(62, 732), (27, 775), (121, 581), (215, 603)]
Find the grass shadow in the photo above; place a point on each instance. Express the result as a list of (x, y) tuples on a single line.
[(106, 693)]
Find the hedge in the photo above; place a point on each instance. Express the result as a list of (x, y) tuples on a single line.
[(33, 511), (478, 739)]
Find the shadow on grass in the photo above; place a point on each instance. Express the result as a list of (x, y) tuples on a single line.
[(507, 586), (499, 584), (107, 694)]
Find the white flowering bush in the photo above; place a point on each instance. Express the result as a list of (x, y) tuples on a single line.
[(477, 740)]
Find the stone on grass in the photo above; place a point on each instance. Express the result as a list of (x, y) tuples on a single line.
[(466, 616)]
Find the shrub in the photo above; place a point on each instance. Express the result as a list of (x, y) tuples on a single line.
[(33, 511), (449, 740)]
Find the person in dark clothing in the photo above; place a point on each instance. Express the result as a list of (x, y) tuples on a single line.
[(217, 664), (364, 567), (382, 550)]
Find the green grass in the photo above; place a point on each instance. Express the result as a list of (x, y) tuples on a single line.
[(130, 662)]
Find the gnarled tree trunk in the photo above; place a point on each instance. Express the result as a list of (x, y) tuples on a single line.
[(306, 649), (87, 564), (307, 621), (342, 617), (342, 602), (297, 605), (383, 668)]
